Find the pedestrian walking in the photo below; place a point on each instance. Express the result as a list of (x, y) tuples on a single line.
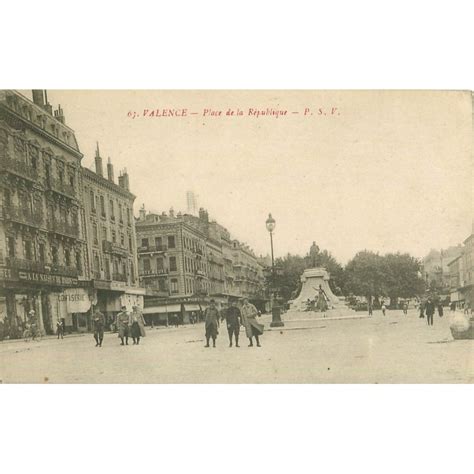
[(252, 327), (371, 307), (384, 308), (452, 306), (233, 321), (211, 316), (429, 310), (122, 325), (60, 329), (405, 308), (422, 310), (98, 321), (440, 310), (137, 325)]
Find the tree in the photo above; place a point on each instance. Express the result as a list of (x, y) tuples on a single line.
[(395, 275), (402, 276), (364, 275)]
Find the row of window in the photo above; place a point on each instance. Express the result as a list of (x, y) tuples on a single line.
[(29, 251), (160, 241), (113, 235), (193, 244), (98, 203)]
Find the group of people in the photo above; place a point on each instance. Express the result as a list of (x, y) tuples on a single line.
[(234, 317), (129, 324)]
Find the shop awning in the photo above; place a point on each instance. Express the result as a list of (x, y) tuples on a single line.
[(171, 308), (191, 307), (154, 310)]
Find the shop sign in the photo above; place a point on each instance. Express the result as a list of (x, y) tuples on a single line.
[(47, 279)]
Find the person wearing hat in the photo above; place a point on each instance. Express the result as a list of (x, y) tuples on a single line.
[(122, 323), (211, 316), (136, 324), (429, 310), (252, 328), (233, 320), (98, 319)]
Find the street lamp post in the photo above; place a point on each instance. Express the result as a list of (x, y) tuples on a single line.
[(276, 315)]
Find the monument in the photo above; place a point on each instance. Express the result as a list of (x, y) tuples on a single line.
[(316, 294)]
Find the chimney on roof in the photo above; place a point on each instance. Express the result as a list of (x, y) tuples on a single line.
[(171, 212), (59, 115), (38, 97), (142, 213), (110, 170), (98, 162), (47, 106), (124, 182)]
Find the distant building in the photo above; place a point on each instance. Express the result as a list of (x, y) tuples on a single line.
[(185, 260), (436, 270), (112, 249)]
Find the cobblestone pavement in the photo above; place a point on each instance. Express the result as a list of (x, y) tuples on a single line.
[(391, 349)]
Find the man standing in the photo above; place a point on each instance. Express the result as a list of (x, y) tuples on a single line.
[(429, 310), (60, 328), (233, 321), (212, 323), (405, 308), (252, 328), (122, 325), (136, 324), (98, 320)]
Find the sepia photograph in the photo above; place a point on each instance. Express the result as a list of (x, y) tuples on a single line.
[(236, 237)]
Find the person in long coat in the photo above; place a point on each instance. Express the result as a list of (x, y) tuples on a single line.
[(233, 321), (211, 316), (136, 324), (98, 320), (429, 310), (122, 324), (253, 329)]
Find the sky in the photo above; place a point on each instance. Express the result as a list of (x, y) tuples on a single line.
[(385, 171)]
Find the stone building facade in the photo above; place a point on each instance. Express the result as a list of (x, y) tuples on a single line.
[(43, 253), (185, 260), (111, 238)]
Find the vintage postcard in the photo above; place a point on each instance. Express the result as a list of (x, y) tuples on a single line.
[(179, 236)]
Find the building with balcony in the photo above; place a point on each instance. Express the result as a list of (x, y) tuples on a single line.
[(43, 256), (185, 260), (112, 248)]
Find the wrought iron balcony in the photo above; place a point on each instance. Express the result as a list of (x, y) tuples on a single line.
[(115, 249), (41, 267), (154, 272), (62, 188), (63, 228), (119, 277), (23, 215), (152, 248), (18, 168)]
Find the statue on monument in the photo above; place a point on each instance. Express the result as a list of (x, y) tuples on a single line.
[(314, 255)]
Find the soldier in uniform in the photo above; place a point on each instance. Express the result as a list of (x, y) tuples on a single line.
[(212, 323), (233, 320), (98, 320), (252, 328), (122, 325)]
